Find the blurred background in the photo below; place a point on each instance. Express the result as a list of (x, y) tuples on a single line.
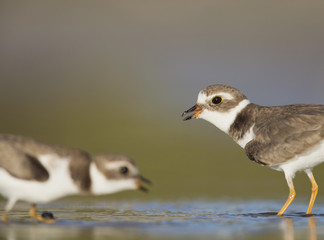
[(115, 76)]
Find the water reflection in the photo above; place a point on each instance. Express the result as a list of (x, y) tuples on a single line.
[(288, 228), (172, 220), (312, 228)]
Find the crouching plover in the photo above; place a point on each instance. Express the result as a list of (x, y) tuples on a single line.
[(285, 138), (36, 172)]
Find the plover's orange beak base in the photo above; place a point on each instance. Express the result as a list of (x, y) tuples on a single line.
[(139, 185), (192, 112)]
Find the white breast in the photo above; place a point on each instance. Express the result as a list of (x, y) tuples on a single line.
[(58, 185), (247, 137), (101, 185)]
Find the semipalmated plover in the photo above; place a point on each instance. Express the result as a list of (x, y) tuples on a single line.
[(285, 138), (37, 172)]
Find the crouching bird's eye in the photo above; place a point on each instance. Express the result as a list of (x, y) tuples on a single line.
[(124, 170)]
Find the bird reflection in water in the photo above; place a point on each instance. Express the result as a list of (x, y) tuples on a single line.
[(288, 228)]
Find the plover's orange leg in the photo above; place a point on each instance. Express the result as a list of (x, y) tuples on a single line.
[(291, 197), (4, 217), (11, 202), (33, 214), (314, 191)]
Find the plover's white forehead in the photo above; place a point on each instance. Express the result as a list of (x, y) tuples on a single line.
[(203, 97)]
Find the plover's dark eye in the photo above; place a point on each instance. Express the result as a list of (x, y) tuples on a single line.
[(217, 100), (123, 170)]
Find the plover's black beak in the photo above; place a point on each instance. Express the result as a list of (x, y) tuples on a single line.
[(192, 112), (144, 180)]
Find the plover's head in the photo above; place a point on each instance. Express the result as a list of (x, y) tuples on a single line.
[(219, 105), (115, 172)]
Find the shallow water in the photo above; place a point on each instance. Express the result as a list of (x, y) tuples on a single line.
[(160, 220)]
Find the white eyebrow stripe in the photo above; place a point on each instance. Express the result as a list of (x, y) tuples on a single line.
[(114, 165), (202, 97), (224, 95)]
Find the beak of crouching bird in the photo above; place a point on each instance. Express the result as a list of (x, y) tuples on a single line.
[(192, 112), (140, 180)]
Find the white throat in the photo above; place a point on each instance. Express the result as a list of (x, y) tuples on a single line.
[(101, 185), (223, 120)]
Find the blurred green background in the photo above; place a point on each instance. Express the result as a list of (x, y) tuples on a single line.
[(115, 76)]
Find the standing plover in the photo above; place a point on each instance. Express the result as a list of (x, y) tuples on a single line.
[(37, 172), (285, 138)]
